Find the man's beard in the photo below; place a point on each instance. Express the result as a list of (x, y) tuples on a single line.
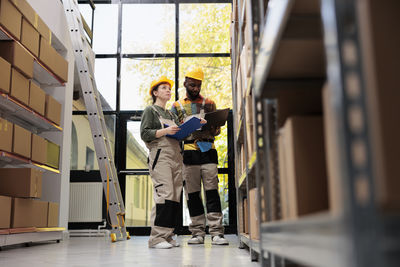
[(192, 95)]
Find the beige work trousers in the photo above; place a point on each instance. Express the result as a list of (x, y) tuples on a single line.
[(165, 166), (193, 176)]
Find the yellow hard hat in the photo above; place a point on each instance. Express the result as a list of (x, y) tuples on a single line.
[(197, 74), (162, 79)]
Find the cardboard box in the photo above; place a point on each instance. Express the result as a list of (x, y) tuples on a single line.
[(250, 126), (27, 11), (52, 216), (5, 76), (332, 153), (53, 110), (379, 23), (303, 169), (44, 30), (10, 18), (245, 216), (6, 135), (37, 98), (30, 37), (21, 142), (253, 212), (239, 95), (298, 59), (53, 155), (39, 149), (283, 186), (19, 87), (294, 101), (29, 213), (5, 211), (21, 182), (17, 56), (53, 60)]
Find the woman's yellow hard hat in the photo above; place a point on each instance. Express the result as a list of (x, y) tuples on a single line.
[(196, 74), (162, 79)]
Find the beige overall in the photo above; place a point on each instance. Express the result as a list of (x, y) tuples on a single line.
[(165, 166), (194, 175)]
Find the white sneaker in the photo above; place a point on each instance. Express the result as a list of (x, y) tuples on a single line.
[(196, 240), (162, 245), (219, 240), (174, 243)]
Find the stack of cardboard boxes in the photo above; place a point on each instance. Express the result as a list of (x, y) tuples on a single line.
[(19, 204), (241, 34), (29, 44)]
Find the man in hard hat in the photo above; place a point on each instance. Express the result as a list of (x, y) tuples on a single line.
[(200, 164)]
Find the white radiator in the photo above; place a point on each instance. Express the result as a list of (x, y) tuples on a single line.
[(85, 202)]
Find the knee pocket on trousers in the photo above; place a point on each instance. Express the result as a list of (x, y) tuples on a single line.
[(195, 204), (213, 201)]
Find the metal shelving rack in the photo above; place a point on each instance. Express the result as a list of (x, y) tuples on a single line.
[(246, 178), (22, 115), (360, 235)]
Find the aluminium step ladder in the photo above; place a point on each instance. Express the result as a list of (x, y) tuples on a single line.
[(115, 203)]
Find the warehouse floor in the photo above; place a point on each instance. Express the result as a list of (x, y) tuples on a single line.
[(97, 251)]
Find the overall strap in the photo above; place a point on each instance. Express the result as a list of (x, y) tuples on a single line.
[(203, 106), (159, 116)]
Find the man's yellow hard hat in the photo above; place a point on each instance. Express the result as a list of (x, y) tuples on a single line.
[(162, 79), (197, 74)]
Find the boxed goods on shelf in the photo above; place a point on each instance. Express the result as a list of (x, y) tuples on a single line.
[(250, 126), (29, 213), (253, 214), (239, 95), (245, 216), (5, 75), (10, 18), (17, 56), (302, 167), (53, 110), (6, 135), (39, 149), (21, 142), (44, 31), (19, 87), (37, 98), (26, 10), (53, 60), (332, 153), (30, 37), (289, 103), (52, 216), (21, 182), (379, 23), (53, 154), (5, 211)]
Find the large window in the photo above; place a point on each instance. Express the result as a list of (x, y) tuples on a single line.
[(135, 42)]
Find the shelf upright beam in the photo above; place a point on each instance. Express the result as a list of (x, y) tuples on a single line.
[(345, 75)]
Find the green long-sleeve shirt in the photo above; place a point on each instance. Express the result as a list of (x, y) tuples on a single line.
[(150, 122)]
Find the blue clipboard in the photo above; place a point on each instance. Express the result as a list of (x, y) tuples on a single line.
[(187, 128)]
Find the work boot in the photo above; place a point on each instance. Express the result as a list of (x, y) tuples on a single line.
[(162, 245), (196, 240), (219, 240)]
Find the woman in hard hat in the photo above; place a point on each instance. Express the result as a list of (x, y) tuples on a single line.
[(165, 164)]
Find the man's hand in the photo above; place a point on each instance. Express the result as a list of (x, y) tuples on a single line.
[(215, 130), (203, 121)]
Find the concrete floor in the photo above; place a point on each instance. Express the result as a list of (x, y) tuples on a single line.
[(97, 251)]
